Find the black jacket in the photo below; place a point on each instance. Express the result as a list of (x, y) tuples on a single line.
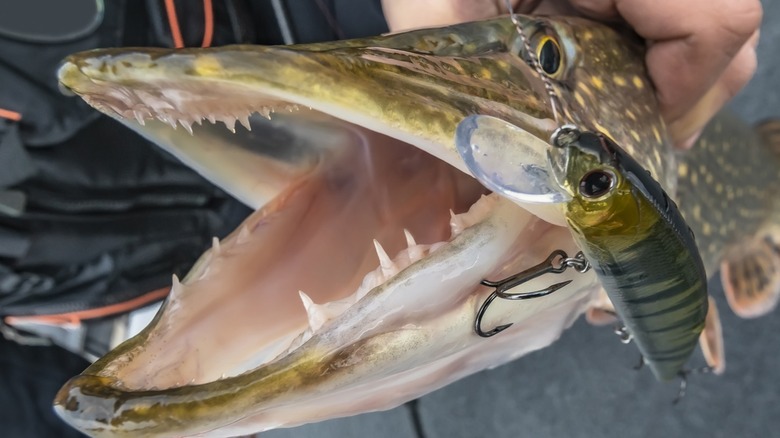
[(91, 214)]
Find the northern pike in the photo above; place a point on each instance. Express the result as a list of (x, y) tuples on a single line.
[(355, 284)]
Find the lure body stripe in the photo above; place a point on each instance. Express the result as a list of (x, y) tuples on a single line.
[(645, 257)]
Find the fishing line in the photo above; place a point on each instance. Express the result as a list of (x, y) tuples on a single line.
[(534, 61)]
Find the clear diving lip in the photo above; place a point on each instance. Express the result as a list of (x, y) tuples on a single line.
[(509, 160)]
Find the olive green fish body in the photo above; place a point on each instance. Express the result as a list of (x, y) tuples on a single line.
[(642, 250), (724, 196), (733, 207)]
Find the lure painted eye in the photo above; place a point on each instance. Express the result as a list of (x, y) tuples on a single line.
[(596, 183), (549, 54)]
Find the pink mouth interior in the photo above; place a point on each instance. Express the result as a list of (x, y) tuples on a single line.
[(240, 307)]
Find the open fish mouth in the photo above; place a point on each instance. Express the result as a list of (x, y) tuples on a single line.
[(354, 285), (354, 289)]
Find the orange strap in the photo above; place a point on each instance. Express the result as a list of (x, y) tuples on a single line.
[(10, 115), (208, 16), (170, 9), (77, 317), (173, 22)]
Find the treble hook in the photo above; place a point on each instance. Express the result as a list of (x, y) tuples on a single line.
[(502, 287)]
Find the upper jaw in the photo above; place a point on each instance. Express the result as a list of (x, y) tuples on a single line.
[(415, 86)]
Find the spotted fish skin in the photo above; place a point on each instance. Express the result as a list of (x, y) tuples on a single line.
[(724, 196), (733, 207)]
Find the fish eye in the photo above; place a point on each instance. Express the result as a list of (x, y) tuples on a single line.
[(597, 183), (548, 52)]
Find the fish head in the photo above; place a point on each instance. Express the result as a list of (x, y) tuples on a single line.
[(354, 286), (415, 86)]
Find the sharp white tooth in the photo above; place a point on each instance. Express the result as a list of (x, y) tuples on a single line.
[(244, 235), (456, 224), (199, 121), (244, 120), (139, 117), (230, 123), (176, 288), (170, 121), (414, 250), (385, 262), (186, 125), (410, 242), (211, 118), (215, 246), (384, 259), (314, 312), (265, 112)]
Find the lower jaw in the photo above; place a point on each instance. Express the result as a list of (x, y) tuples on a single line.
[(225, 310), (407, 337)]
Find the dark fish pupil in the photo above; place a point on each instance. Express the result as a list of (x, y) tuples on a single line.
[(595, 184), (550, 57)]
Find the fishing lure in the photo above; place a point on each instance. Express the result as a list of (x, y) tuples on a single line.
[(629, 231), (639, 245)]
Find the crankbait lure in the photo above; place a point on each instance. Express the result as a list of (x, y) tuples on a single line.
[(630, 232)]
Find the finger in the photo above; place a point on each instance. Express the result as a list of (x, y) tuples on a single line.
[(692, 41), (685, 129), (526, 6), (413, 14), (600, 9), (555, 7), (683, 70), (689, 55)]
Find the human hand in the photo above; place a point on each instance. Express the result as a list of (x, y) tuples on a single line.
[(700, 52)]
